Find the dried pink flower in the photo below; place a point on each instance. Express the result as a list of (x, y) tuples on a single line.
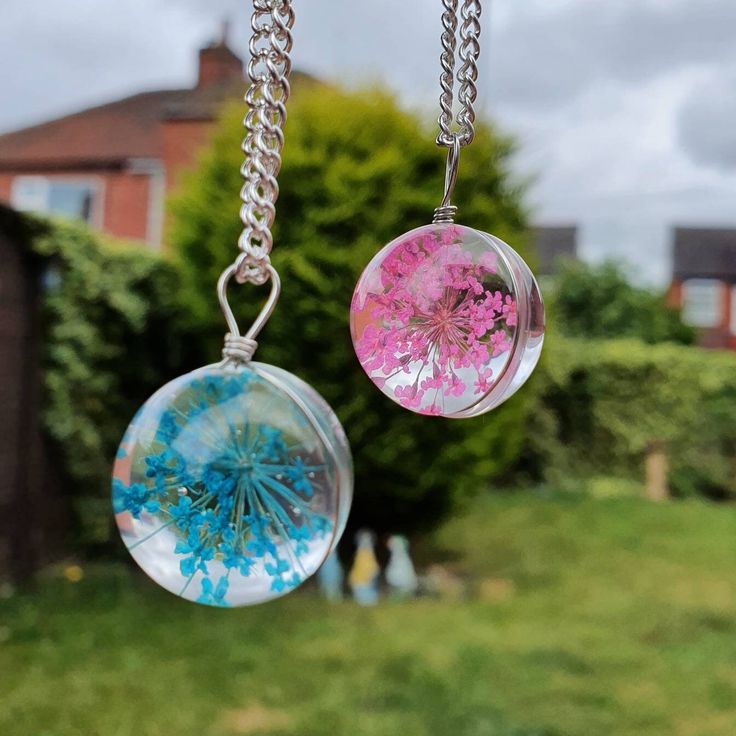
[(437, 314)]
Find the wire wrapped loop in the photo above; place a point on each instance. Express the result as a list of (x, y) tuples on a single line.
[(240, 348), (444, 215)]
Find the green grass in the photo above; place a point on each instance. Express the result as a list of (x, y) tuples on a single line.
[(609, 617)]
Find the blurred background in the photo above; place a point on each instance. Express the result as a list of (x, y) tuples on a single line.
[(571, 563)]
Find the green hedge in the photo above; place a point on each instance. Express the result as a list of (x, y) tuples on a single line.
[(601, 404)]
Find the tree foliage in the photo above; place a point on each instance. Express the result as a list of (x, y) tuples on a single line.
[(358, 171), (599, 302)]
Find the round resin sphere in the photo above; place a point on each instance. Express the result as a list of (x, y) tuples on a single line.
[(447, 320), (232, 485)]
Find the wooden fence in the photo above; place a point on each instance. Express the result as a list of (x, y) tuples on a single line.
[(32, 512)]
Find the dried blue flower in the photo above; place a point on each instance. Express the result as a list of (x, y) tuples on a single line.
[(230, 492)]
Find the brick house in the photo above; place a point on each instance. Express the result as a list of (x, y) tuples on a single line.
[(704, 283), (113, 165)]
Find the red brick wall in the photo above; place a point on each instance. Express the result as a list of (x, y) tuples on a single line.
[(6, 182), (729, 339), (218, 64), (126, 205), (182, 142), (713, 337), (122, 202), (674, 295)]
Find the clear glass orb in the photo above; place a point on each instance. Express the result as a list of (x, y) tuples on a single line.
[(232, 485), (447, 320)]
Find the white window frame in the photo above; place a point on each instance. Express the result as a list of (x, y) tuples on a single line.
[(695, 293), (95, 183), (17, 196), (155, 170)]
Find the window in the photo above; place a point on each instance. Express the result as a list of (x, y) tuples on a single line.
[(72, 198), (733, 310), (701, 302)]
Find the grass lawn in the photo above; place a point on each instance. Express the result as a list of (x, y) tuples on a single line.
[(596, 617)]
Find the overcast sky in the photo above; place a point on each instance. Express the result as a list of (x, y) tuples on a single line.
[(625, 110)]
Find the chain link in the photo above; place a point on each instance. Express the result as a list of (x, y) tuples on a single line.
[(467, 76), (268, 70)]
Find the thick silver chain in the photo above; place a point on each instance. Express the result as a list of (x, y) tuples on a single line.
[(268, 70), (467, 76)]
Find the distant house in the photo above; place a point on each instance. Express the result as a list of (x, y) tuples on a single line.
[(704, 282), (113, 165), (552, 244)]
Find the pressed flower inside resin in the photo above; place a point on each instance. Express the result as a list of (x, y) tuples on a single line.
[(447, 320), (232, 485)]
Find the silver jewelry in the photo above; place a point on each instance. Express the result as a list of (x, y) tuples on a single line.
[(447, 320), (233, 483)]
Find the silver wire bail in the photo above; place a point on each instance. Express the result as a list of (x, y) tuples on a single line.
[(446, 212), (241, 348)]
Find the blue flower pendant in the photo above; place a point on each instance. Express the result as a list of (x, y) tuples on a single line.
[(233, 484)]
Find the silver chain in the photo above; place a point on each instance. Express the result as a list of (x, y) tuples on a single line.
[(467, 76), (268, 70)]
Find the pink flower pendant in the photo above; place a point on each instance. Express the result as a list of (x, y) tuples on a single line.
[(447, 320)]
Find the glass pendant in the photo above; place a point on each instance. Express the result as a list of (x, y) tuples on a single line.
[(233, 484), (448, 321)]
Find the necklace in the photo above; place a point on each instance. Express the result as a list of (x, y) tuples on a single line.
[(233, 483), (447, 320)]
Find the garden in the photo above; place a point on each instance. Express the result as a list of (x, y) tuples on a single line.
[(574, 604), (578, 616)]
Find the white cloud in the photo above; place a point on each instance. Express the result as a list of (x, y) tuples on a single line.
[(547, 58), (707, 121), (623, 108)]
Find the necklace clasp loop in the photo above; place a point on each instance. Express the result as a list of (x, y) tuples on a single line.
[(240, 348)]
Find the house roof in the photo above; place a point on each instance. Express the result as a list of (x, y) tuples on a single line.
[(551, 243), (110, 134), (704, 253)]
